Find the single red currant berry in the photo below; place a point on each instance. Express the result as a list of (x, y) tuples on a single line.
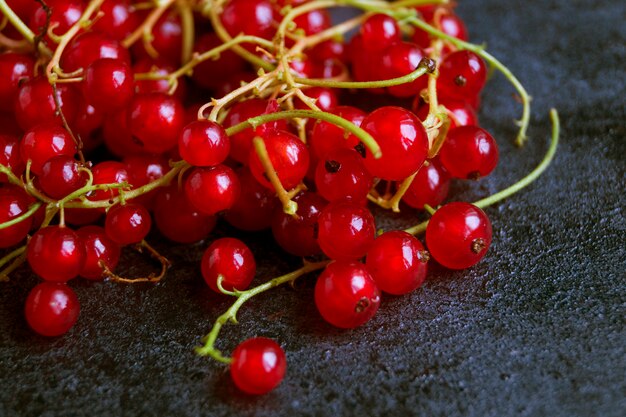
[(166, 39), (107, 172), (108, 84), (458, 235), (327, 136), (252, 211), (142, 170), (346, 230), (251, 17), (210, 73), (398, 60), (314, 21), (118, 19), (88, 119), (342, 174), (44, 142), (289, 158), (346, 295), (14, 70), (10, 155), (397, 262), (462, 75), (298, 235), (35, 103), (212, 190), (469, 152), (100, 252), (203, 143), (117, 136), (155, 121), (379, 31), (55, 253), (60, 176), (14, 202), (232, 260), (177, 219), (51, 309), (89, 47), (128, 223), (64, 13), (258, 365), (430, 186), (460, 112)]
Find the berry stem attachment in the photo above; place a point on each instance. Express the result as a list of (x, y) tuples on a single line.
[(524, 182), (208, 349), (31, 210)]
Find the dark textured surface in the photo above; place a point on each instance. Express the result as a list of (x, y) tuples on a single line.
[(535, 329)]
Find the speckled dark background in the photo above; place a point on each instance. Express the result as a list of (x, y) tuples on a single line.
[(536, 329)]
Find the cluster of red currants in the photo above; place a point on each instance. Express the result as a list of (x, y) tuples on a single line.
[(125, 87)]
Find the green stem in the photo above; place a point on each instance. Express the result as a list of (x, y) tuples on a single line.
[(31, 210), (365, 137), (208, 349), (21, 27), (524, 182), (12, 255), (479, 50)]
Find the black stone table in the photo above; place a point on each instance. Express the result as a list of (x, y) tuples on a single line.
[(536, 329)]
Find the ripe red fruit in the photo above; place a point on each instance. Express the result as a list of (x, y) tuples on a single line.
[(402, 140), (55, 253), (430, 186), (108, 84), (155, 121), (327, 136), (462, 76), (251, 17), (99, 249), (64, 13), (231, 259), (458, 235), (469, 152), (51, 309), (118, 18), (60, 176), (10, 155), (13, 203), (397, 262), (35, 103), (90, 46), (346, 295), (167, 37), (203, 143), (342, 174), (212, 190), (258, 365), (252, 211), (379, 31), (44, 142), (107, 172), (398, 60), (128, 223), (14, 70)]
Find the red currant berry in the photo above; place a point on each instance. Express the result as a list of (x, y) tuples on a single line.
[(346, 295), (203, 143), (14, 70), (327, 136), (251, 17), (13, 203), (127, 224), (60, 177), (346, 230), (380, 31), (210, 73), (10, 155), (87, 120), (43, 142), (177, 219), (289, 158), (462, 76), (398, 60), (449, 23), (55, 253), (64, 14), (430, 186), (52, 309), (314, 21), (212, 190), (252, 211), (100, 251), (469, 152), (156, 120), (458, 235), (107, 172), (159, 67), (35, 103), (142, 170), (460, 112), (298, 235), (118, 19), (108, 84), (231, 259), (402, 140), (342, 174), (397, 262), (258, 365), (166, 39), (90, 46)]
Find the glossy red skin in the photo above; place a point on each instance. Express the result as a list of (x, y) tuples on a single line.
[(177, 219), (327, 136), (346, 295), (314, 21), (467, 65), (325, 98), (397, 262), (98, 248), (127, 224), (232, 259), (10, 155), (469, 152), (108, 84), (327, 50), (379, 31), (51, 309), (14, 69), (212, 190), (449, 23), (13, 203), (241, 143), (289, 157), (398, 60), (90, 46), (430, 186), (252, 17), (88, 119), (143, 169), (346, 230), (452, 230), (35, 103), (460, 112), (43, 142), (203, 143), (64, 14), (155, 120), (107, 172), (167, 39), (347, 177), (60, 177), (252, 211), (298, 235), (161, 67), (258, 366), (118, 19), (55, 253), (210, 73), (402, 140)]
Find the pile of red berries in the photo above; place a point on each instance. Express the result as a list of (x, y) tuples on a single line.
[(115, 117)]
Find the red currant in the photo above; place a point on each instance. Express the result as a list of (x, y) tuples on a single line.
[(155, 120), (55, 253), (43, 142), (379, 31), (13, 203), (327, 136), (462, 75), (14, 70), (35, 103), (10, 155), (252, 17), (127, 223), (51, 309), (469, 152), (100, 251), (258, 365), (108, 84), (203, 143), (60, 176), (430, 186), (342, 174), (231, 259), (90, 46), (212, 190), (346, 230)]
